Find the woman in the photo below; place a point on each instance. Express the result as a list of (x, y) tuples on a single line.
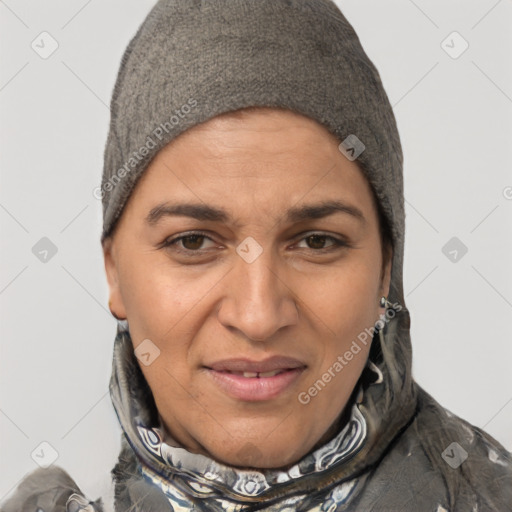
[(253, 239)]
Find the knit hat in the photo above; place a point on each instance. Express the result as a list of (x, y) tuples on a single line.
[(191, 60)]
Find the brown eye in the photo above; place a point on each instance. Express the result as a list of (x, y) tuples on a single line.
[(192, 242), (317, 242), (187, 243)]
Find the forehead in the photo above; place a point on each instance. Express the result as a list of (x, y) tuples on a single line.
[(280, 146), (255, 123), (271, 161)]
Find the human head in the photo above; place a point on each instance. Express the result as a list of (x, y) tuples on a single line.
[(330, 87), (291, 300)]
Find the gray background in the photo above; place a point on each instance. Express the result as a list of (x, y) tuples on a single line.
[(56, 333)]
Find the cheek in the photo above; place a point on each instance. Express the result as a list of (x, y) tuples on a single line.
[(345, 296), (348, 309), (154, 290), (167, 303)]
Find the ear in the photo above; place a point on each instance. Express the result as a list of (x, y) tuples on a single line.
[(386, 272), (116, 304)]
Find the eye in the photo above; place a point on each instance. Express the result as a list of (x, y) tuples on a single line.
[(190, 242), (316, 241)]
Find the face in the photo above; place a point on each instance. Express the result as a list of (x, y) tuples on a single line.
[(249, 255)]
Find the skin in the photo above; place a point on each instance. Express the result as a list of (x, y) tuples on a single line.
[(295, 299)]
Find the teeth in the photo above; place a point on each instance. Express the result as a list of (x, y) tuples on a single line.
[(270, 374), (252, 375)]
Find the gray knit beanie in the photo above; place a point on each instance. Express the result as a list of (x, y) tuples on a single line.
[(191, 60)]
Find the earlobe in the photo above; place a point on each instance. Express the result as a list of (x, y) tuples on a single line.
[(115, 302)]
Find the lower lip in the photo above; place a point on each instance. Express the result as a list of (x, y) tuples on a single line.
[(255, 388)]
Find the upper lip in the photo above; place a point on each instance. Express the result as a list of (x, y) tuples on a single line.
[(247, 365)]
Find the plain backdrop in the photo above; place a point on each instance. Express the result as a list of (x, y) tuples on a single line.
[(454, 113)]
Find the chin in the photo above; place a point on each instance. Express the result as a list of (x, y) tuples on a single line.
[(250, 455), (259, 451)]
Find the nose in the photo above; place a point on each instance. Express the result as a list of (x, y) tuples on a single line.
[(257, 301)]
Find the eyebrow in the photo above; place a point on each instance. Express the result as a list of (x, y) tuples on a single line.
[(296, 214)]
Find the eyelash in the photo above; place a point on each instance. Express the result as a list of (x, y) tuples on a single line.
[(169, 243)]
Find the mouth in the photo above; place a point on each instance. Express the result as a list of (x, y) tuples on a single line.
[(259, 375), (252, 381)]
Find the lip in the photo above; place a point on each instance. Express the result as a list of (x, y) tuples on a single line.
[(228, 376), (248, 365)]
